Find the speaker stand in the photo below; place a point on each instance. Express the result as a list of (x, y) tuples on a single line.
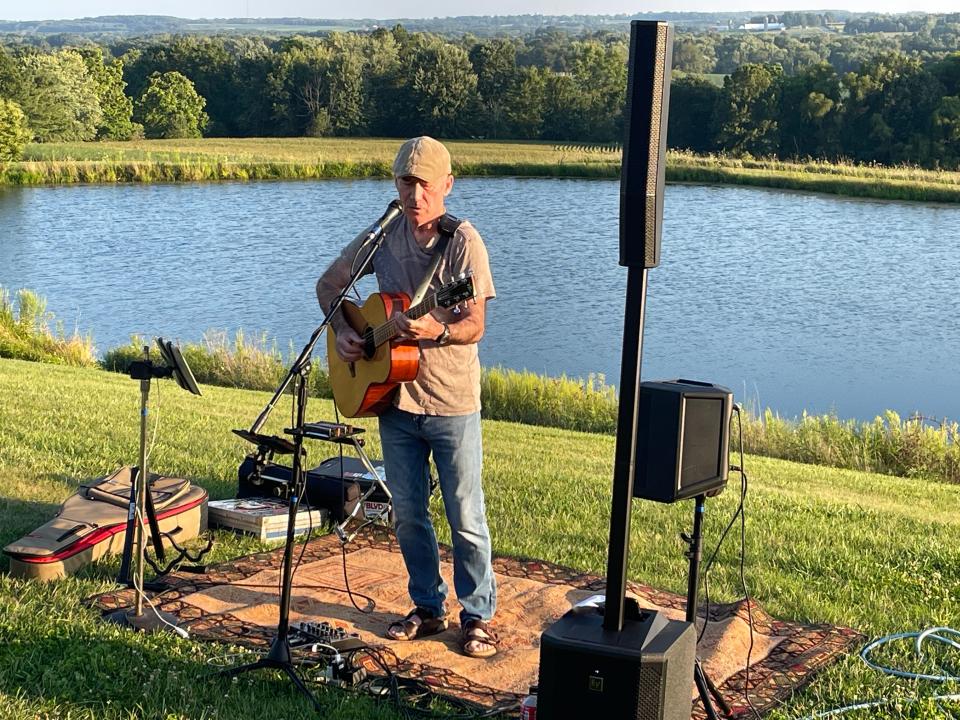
[(704, 684)]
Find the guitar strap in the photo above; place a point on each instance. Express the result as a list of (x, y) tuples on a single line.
[(448, 225)]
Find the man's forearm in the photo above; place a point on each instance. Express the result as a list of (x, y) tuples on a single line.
[(328, 289), (470, 326), (466, 331)]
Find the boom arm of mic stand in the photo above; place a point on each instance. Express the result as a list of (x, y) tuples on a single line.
[(308, 348)]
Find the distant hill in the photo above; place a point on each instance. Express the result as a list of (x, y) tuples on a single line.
[(128, 25)]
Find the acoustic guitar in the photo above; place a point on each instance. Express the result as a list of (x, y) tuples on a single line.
[(365, 387)]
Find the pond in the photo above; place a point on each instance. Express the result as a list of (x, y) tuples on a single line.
[(794, 301)]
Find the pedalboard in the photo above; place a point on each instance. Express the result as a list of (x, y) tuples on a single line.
[(324, 633)]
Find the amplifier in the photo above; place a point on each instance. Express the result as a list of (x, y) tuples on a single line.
[(644, 672), (354, 472), (326, 486)]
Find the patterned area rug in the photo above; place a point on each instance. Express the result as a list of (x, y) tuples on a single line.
[(237, 602)]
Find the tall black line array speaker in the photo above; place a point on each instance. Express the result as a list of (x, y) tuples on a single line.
[(645, 143), (627, 664)]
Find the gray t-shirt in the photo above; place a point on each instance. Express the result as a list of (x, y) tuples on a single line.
[(448, 382)]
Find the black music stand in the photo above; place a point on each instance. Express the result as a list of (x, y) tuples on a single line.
[(705, 685), (141, 500), (279, 656)]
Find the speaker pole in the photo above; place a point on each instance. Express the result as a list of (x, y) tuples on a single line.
[(642, 176), (624, 463)]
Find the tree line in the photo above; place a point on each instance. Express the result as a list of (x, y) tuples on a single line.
[(106, 28), (891, 107), (894, 109)]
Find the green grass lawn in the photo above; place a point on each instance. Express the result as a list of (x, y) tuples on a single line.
[(878, 553)]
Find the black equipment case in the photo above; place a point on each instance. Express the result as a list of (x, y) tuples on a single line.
[(326, 485)]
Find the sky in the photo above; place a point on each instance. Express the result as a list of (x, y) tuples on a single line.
[(384, 9)]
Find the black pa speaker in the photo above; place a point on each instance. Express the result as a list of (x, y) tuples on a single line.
[(645, 143), (644, 672), (683, 436)]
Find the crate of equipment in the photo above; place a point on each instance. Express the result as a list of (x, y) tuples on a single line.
[(263, 517)]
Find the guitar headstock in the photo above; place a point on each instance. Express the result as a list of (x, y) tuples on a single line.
[(456, 292)]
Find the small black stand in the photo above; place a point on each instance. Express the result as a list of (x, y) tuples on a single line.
[(279, 657), (704, 684), (377, 484), (343, 434)]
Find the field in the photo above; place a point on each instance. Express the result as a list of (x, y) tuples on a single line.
[(308, 158), (878, 553)]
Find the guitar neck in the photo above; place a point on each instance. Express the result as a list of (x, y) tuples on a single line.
[(388, 331)]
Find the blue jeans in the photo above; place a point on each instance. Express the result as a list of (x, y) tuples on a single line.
[(457, 449)]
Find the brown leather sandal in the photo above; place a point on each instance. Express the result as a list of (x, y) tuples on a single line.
[(419, 623), (478, 639)]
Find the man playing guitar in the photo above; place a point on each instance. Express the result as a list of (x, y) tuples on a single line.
[(438, 412)]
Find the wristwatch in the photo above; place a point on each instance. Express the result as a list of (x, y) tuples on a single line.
[(444, 337)]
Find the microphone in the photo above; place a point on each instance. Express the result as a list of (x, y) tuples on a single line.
[(394, 210)]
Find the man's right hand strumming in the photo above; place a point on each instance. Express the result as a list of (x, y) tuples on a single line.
[(349, 344)]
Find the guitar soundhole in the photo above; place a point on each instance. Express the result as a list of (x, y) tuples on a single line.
[(369, 346)]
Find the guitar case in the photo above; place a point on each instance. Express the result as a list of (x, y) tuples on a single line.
[(93, 522)]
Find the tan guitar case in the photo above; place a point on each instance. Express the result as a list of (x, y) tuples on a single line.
[(92, 523)]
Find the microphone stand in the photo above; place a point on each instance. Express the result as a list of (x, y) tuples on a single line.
[(279, 656)]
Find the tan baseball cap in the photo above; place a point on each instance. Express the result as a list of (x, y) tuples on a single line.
[(424, 158)]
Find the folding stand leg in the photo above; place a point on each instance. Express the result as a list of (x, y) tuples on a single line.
[(341, 528), (126, 555), (155, 535)]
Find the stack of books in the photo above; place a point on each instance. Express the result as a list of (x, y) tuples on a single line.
[(264, 518)]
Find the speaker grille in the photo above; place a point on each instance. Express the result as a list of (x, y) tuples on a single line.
[(650, 692), (656, 108), (651, 250), (644, 143), (655, 169)]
